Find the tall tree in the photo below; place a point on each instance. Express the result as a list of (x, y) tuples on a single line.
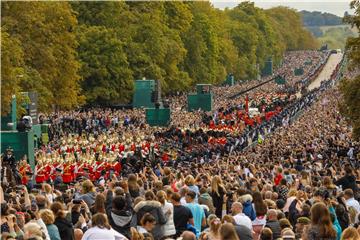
[(12, 67), (203, 47), (351, 87), (46, 33), (105, 69), (298, 38)]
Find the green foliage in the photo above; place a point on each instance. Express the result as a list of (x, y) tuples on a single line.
[(351, 88), (320, 19), (336, 38), (298, 37), (353, 43), (105, 69), (12, 61), (351, 103), (44, 32), (70, 52), (316, 31)]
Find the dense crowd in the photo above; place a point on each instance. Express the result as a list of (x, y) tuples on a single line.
[(107, 175)]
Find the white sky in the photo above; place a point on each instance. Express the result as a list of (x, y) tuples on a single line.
[(337, 7)]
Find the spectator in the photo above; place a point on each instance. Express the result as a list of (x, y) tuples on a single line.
[(243, 232), (348, 181), (217, 194), (196, 210), (119, 212), (248, 208), (168, 210), (350, 234), (187, 235), (266, 234), (240, 218), (287, 234), (273, 223), (99, 204), (227, 231), (321, 226), (190, 183), (350, 200), (206, 199), (213, 232), (32, 231), (150, 205), (88, 193), (101, 229), (48, 217), (182, 215), (64, 226), (301, 224), (260, 209)]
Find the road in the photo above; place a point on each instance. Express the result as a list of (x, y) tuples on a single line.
[(325, 74)]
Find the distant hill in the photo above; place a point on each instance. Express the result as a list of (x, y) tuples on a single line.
[(336, 36), (328, 28), (312, 19)]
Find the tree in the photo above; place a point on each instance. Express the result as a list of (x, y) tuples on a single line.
[(316, 18), (105, 69), (157, 50), (202, 43), (71, 50), (298, 38), (45, 31), (12, 67), (350, 88)]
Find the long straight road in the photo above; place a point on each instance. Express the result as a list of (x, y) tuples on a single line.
[(325, 74)]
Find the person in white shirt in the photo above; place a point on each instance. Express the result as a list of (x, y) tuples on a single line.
[(101, 229), (350, 200), (239, 216), (168, 210)]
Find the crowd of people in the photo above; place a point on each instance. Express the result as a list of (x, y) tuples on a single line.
[(107, 175)]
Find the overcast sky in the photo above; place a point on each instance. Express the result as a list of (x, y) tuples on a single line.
[(337, 7)]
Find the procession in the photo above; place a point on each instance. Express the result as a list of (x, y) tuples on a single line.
[(274, 158)]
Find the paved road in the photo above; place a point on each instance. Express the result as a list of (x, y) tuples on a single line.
[(325, 74)]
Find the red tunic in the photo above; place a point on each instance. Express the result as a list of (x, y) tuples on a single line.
[(99, 169), (67, 175), (53, 174), (117, 168), (47, 172), (40, 176)]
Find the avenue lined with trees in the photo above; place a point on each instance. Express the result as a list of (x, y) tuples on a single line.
[(74, 53)]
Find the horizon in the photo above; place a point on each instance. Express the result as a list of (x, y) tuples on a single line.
[(334, 7)]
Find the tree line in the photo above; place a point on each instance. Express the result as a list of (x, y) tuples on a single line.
[(74, 53), (350, 88), (317, 18)]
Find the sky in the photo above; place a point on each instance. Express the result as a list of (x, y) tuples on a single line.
[(337, 7)]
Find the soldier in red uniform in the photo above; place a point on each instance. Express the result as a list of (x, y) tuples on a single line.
[(67, 173), (53, 168), (79, 169), (48, 171), (117, 167), (100, 165), (40, 172)]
